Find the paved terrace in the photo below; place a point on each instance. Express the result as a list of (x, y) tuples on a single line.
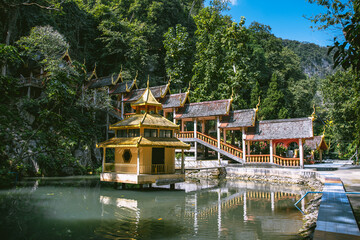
[(336, 219)]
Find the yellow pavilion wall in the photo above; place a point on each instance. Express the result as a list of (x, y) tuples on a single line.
[(146, 160), (120, 165)]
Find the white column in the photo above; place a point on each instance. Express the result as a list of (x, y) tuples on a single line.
[(195, 128), (195, 216), (195, 136), (243, 144), (218, 135), (245, 210), (272, 201), (122, 106), (182, 162), (138, 162), (301, 152), (174, 120), (271, 152), (219, 212)]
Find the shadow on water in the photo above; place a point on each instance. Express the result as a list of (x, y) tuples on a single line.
[(84, 208)]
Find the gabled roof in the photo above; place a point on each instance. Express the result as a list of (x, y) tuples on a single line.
[(144, 142), (205, 109), (239, 118), (295, 128), (157, 91), (123, 87), (144, 120), (175, 100), (317, 143), (147, 99), (105, 81)]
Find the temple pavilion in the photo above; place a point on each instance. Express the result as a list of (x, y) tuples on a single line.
[(144, 145)]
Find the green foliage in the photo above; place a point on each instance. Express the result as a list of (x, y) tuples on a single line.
[(344, 15), (342, 102), (178, 59), (43, 44), (274, 104)]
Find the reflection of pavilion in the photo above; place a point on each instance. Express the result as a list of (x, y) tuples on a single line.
[(249, 209)]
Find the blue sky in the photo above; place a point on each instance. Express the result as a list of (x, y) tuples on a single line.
[(285, 17)]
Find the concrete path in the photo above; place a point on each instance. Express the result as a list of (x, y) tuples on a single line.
[(336, 219)]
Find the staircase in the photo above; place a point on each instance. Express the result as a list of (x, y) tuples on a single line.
[(115, 113), (235, 153), (225, 149)]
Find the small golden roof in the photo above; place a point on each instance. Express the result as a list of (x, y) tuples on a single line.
[(147, 101)]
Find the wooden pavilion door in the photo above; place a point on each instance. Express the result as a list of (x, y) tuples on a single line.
[(158, 160)]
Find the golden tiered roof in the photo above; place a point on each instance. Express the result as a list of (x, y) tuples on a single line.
[(146, 102), (144, 120), (144, 142)]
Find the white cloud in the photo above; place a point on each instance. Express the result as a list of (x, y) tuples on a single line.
[(233, 2)]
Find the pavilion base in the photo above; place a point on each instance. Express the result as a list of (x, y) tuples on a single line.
[(142, 178)]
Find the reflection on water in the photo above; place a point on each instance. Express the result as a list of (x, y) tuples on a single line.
[(84, 209)]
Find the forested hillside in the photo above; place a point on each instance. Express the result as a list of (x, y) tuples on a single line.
[(314, 59), (55, 133)]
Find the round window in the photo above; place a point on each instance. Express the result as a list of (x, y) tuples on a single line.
[(127, 155)]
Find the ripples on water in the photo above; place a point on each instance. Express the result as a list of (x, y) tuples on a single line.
[(85, 209)]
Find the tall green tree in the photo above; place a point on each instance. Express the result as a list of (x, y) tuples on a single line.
[(178, 59), (274, 104)]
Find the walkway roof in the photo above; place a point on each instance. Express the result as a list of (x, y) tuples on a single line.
[(295, 128), (104, 81), (175, 100), (238, 119), (205, 109), (123, 87), (157, 91)]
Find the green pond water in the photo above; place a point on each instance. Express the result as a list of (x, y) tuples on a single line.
[(78, 208)]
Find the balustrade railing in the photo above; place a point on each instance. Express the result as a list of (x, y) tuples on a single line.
[(258, 158), (212, 141), (287, 162), (185, 135), (231, 149)]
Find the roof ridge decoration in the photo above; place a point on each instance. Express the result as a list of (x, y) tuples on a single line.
[(93, 74), (162, 94), (66, 54), (257, 105), (313, 115), (253, 118)]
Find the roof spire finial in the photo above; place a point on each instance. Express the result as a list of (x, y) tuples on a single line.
[(169, 79), (232, 93), (324, 130), (188, 90), (120, 74), (257, 105), (135, 77), (148, 81), (313, 115)]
